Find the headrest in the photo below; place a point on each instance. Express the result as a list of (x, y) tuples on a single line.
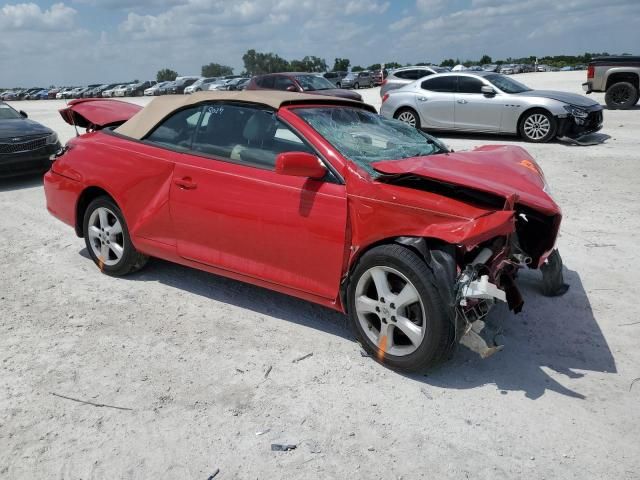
[(261, 126)]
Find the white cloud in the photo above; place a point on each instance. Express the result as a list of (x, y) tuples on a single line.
[(29, 16)]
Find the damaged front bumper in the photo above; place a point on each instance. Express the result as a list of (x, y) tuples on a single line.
[(574, 126), (475, 295)]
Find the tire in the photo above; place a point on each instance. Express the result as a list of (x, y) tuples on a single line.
[(356, 85), (408, 116), (105, 234), (538, 126), (380, 325), (621, 96), (338, 85)]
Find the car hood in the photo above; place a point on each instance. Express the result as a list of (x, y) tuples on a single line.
[(502, 170), (21, 127), (98, 113), (570, 98), (337, 92)]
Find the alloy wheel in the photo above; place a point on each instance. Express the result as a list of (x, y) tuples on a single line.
[(105, 236), (408, 118), (390, 311), (537, 126)]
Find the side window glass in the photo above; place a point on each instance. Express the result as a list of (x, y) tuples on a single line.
[(245, 135), (177, 131), (440, 84), (469, 85), (422, 73), (266, 82), (282, 83)]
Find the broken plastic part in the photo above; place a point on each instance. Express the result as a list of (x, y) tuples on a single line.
[(552, 277), (482, 289), (473, 340)]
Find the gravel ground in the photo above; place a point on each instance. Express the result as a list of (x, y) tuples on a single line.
[(188, 353)]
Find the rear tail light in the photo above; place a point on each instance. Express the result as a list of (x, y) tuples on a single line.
[(385, 97), (591, 70)]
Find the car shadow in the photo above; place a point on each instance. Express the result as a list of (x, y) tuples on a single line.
[(585, 140), (243, 295), (560, 334), (19, 183)]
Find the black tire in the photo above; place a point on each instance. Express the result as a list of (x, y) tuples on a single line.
[(131, 260), (403, 115), (338, 85), (356, 85), (439, 332), (621, 96), (532, 116)]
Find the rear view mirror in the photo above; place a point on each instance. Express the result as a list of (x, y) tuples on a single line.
[(487, 90), (300, 164), (23, 114)]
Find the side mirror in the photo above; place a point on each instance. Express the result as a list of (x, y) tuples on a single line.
[(300, 164), (23, 114), (487, 90), (292, 88)]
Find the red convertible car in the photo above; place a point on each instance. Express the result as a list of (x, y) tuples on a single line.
[(316, 197)]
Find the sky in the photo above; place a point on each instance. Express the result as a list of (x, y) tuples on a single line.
[(74, 42)]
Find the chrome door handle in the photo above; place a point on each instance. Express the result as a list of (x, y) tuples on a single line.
[(463, 101), (423, 99)]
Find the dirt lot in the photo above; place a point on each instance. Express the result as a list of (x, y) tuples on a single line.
[(188, 352)]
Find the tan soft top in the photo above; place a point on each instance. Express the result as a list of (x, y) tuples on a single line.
[(146, 119)]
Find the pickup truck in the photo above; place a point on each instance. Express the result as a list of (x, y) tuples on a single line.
[(618, 76)]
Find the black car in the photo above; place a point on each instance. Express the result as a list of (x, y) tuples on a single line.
[(25, 145), (180, 84)]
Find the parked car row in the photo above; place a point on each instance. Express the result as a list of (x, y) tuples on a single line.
[(129, 89)]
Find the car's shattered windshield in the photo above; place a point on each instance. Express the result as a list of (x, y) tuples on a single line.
[(366, 138)]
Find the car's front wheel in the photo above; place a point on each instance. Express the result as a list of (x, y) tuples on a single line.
[(538, 126), (621, 95), (396, 311), (107, 239), (356, 85), (408, 116)]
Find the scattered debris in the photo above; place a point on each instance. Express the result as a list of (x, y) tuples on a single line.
[(266, 374), (599, 245), (282, 447), (632, 382), (628, 324), (363, 353), (215, 472), (371, 449), (304, 357), (426, 394), (262, 432), (239, 370), (89, 403)]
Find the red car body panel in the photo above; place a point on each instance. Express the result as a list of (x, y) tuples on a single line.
[(97, 113), (294, 235)]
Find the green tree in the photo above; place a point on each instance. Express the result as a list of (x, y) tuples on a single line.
[(357, 68), (485, 59), (375, 66), (449, 62), (392, 65), (216, 70), (166, 74), (257, 63), (309, 64), (341, 64)]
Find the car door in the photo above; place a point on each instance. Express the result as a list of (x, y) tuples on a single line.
[(474, 110), (434, 102), (231, 210)]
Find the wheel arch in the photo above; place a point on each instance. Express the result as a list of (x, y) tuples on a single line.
[(422, 246), (616, 77), (532, 109), (86, 197)]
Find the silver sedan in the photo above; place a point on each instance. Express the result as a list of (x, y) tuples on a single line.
[(488, 102)]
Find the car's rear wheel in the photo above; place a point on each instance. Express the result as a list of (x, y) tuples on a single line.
[(408, 116), (107, 239), (538, 126), (621, 96), (356, 85), (396, 311), (338, 85)]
